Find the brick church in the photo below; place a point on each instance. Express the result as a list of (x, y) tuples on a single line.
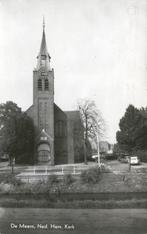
[(60, 138)]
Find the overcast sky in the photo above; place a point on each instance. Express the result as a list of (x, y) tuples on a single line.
[(98, 51)]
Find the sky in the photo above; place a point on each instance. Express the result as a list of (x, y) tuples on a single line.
[(98, 50)]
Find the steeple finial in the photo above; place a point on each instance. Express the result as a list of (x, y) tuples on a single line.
[(43, 22)]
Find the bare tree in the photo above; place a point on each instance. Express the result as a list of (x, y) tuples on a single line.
[(93, 123)]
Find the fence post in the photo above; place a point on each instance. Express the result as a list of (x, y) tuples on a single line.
[(62, 171), (74, 171)]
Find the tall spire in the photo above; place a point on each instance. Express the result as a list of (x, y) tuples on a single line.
[(43, 56)]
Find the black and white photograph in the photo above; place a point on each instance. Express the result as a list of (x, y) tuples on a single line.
[(73, 116)]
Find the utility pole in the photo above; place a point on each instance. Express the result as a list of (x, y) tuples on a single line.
[(129, 163), (98, 150)]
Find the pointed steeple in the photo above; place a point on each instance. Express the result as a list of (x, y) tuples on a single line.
[(43, 56)]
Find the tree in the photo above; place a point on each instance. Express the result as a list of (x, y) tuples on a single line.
[(133, 130), (17, 133), (116, 150), (141, 139), (93, 123), (8, 115)]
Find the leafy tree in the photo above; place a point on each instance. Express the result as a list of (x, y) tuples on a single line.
[(17, 133), (141, 133), (133, 130), (93, 123), (116, 150)]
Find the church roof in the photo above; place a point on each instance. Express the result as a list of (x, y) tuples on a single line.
[(44, 137), (73, 115), (58, 112)]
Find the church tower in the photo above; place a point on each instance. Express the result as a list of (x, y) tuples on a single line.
[(43, 103)]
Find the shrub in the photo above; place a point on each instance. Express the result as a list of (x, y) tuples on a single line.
[(110, 157), (142, 154), (68, 179), (92, 175), (52, 179), (11, 179), (104, 169), (6, 188)]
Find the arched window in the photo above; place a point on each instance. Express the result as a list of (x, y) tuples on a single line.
[(46, 84), (39, 84)]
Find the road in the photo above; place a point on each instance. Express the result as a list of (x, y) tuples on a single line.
[(74, 221), (115, 165)]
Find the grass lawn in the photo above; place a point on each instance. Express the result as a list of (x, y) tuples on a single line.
[(110, 182)]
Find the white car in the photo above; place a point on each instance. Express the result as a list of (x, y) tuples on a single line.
[(134, 160)]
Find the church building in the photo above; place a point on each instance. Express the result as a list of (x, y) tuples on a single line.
[(60, 138)]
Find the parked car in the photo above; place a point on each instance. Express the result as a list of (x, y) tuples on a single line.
[(134, 160), (95, 157)]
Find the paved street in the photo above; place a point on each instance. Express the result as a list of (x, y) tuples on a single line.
[(74, 221)]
